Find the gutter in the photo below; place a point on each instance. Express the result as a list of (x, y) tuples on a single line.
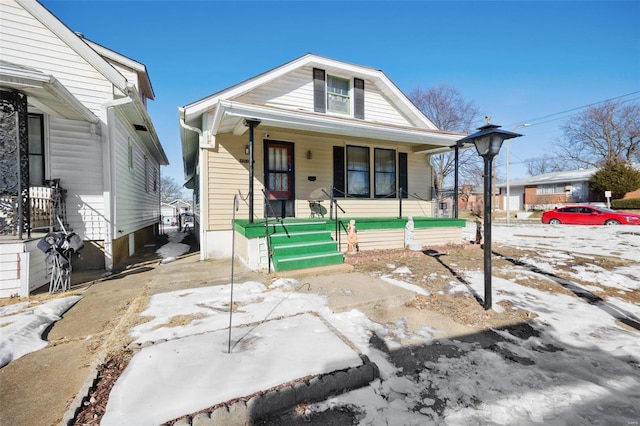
[(201, 159)]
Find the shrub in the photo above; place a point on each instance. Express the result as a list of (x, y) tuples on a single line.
[(619, 178), (629, 203)]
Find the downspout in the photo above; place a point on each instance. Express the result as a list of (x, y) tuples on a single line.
[(109, 177), (202, 213)]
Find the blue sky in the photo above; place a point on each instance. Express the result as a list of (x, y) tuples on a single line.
[(518, 61)]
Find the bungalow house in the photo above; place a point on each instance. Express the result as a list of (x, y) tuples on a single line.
[(303, 151), (88, 158)]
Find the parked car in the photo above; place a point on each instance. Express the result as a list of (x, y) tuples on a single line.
[(589, 215)]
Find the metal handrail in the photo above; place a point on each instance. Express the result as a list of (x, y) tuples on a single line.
[(333, 201), (266, 228)]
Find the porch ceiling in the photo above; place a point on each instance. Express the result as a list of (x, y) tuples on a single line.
[(44, 92)]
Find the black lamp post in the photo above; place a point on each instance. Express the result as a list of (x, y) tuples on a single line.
[(488, 140)]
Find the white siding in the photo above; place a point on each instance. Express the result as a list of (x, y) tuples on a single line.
[(135, 207), (28, 42), (76, 159), (22, 268), (295, 91)]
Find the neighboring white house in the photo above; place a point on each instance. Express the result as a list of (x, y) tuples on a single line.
[(75, 114), (171, 210), (290, 141)]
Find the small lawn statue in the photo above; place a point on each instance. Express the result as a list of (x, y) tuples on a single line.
[(352, 237)]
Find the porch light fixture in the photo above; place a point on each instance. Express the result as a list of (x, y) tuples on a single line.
[(487, 140), (246, 149), (309, 155)]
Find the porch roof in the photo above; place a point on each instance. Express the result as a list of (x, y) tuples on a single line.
[(229, 116), (44, 91)]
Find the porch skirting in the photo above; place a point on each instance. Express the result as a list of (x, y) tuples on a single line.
[(373, 234)]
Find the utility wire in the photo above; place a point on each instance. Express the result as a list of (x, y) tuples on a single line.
[(562, 113)]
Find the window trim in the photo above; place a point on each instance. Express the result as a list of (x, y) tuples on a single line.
[(43, 147), (394, 174), (368, 172), (349, 96)]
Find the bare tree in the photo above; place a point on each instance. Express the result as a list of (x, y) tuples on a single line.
[(447, 110), (169, 189), (546, 163), (608, 133)]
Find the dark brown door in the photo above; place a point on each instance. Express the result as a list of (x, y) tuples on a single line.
[(279, 178)]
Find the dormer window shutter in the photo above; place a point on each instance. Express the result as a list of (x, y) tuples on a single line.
[(319, 91), (358, 98)]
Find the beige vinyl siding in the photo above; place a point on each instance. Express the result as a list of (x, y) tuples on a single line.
[(135, 207), (76, 159), (228, 177), (295, 91), (28, 42)]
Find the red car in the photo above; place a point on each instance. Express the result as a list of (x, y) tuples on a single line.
[(589, 215)]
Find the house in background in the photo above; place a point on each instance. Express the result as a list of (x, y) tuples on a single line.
[(74, 114), (546, 191), (313, 139), (172, 210)]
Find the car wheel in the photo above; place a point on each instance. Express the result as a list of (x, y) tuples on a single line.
[(611, 222), (554, 221)]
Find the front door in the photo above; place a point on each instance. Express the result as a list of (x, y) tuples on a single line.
[(279, 178)]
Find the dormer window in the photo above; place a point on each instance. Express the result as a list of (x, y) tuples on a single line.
[(338, 94)]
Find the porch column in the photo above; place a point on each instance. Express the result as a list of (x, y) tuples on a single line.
[(455, 181), (251, 123)]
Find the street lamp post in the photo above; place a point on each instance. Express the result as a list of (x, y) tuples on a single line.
[(488, 140), (513, 129)]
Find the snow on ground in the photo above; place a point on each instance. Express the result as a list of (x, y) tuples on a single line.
[(580, 365), (22, 325), (174, 248)]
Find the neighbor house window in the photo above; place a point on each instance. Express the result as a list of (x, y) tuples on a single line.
[(550, 188), (384, 180), (357, 171), (36, 149), (338, 94)]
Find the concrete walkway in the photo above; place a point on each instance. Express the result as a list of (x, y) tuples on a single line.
[(46, 387)]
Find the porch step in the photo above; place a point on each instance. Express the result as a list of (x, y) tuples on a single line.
[(299, 245), (288, 263), (305, 247), (292, 237), (288, 227)]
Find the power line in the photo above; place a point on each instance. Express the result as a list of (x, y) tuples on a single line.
[(574, 109)]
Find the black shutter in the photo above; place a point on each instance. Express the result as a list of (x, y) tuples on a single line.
[(403, 174), (338, 171), (319, 91), (358, 98)]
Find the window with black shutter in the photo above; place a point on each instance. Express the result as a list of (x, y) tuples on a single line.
[(403, 174), (358, 98), (338, 171), (319, 91)]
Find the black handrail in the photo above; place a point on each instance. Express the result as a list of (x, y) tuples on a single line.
[(333, 201), (266, 229)]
